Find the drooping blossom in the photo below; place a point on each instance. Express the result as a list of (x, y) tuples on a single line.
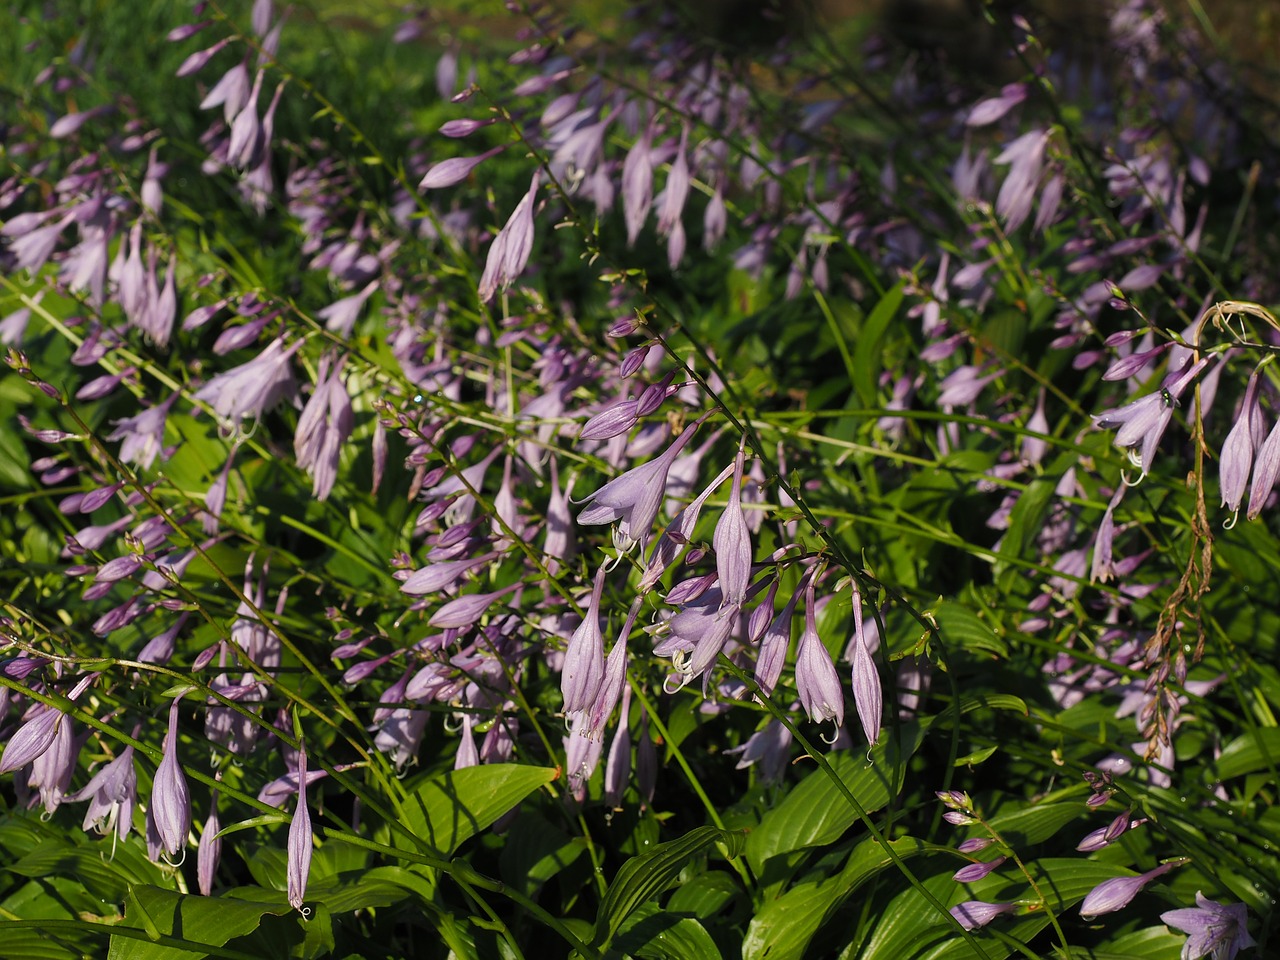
[(1115, 894), (169, 813), (1140, 424), (254, 387), (774, 642), (299, 845), (341, 315), (1217, 930), (583, 669), (1025, 157), (732, 543), (323, 428), (767, 749), (988, 111), (33, 738), (112, 793), (209, 850), (448, 173), (637, 185), (634, 497), (143, 434), (867, 695), (1236, 458), (509, 252), (817, 683), (678, 533), (974, 914), (976, 871)]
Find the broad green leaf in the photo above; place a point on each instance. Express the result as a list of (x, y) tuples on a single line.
[(343, 893), (1257, 750), (706, 894), (975, 758), (868, 357), (959, 625), (26, 943), (817, 812), (187, 918), (14, 461), (318, 939), (447, 809), (100, 877), (535, 851), (1028, 825), (652, 932), (1154, 943), (1026, 519), (644, 877), (783, 929)]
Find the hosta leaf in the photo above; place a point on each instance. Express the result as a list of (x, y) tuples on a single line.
[(644, 877), (783, 929), (816, 812), (186, 918), (651, 932), (447, 809)]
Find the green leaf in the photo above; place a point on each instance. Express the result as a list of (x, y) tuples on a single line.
[(1257, 750), (1026, 520), (447, 809), (651, 931), (30, 944), (868, 358), (975, 758), (783, 929), (107, 879), (535, 851), (817, 813), (188, 919), (959, 625), (643, 878), (706, 894), (318, 938)]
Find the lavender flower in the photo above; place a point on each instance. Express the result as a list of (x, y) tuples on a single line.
[(1237, 450), (112, 793), (732, 543), (637, 185), (209, 850), (143, 434), (510, 249), (1142, 423), (341, 315), (169, 814), (32, 739), (634, 497), (323, 428), (1265, 468), (299, 846), (976, 871), (253, 387), (1026, 159), (1214, 929), (973, 914), (817, 682), (768, 747), (583, 669), (867, 694), (51, 772), (1115, 894)]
